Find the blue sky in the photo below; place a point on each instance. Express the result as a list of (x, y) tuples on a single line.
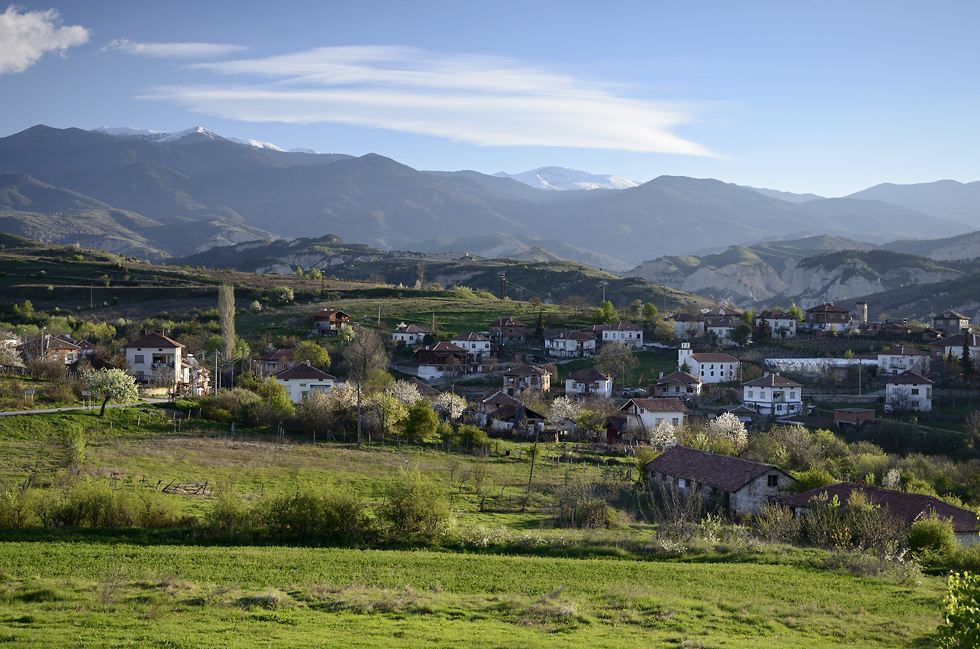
[(828, 97)]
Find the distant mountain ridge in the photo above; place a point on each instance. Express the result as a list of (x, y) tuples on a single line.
[(201, 176)]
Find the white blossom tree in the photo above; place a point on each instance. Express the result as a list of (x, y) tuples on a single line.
[(10, 358), (405, 392), (449, 405), (727, 427), (563, 409), (110, 385), (664, 435)]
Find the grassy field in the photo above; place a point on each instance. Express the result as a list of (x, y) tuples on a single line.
[(91, 594)]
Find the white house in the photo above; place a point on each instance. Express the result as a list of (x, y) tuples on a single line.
[(645, 413), (678, 384), (954, 345), (155, 359), (780, 325), (908, 391), (773, 395), (709, 367), (687, 326), (902, 358), (589, 381), (624, 332), (722, 328), (477, 346), (572, 344), (302, 379), (409, 334)]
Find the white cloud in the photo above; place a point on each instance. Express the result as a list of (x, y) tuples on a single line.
[(172, 50), (26, 37), (484, 100)]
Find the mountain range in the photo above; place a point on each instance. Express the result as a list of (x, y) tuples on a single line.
[(239, 190)]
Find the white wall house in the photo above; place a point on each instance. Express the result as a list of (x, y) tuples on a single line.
[(303, 379), (709, 367), (954, 345), (687, 326), (155, 359), (780, 325), (477, 346), (572, 344), (589, 381), (908, 391), (678, 384), (624, 332), (902, 358), (409, 334), (647, 412), (773, 395)]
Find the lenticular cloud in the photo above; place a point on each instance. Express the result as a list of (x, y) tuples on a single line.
[(483, 100)]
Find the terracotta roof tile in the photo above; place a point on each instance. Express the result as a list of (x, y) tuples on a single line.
[(722, 471)]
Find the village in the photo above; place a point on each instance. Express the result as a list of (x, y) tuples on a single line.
[(730, 370)]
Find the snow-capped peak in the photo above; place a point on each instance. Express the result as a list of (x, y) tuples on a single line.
[(256, 144), (155, 136), (562, 179)]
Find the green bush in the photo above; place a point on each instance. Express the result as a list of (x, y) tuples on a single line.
[(414, 510), (961, 628), (932, 538), (335, 518)]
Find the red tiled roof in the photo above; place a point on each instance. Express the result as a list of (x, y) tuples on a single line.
[(424, 388), (908, 378), (623, 325), (714, 358), (411, 329), (722, 471), (588, 375), (908, 507), (657, 404), (499, 397), (951, 315), (827, 308), (472, 336), (303, 371), (772, 381), (957, 341), (572, 335), (154, 339), (679, 377), (279, 354), (525, 370), (902, 350)]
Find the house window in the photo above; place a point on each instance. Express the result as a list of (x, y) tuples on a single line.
[(750, 394), (915, 391), (681, 483), (138, 359), (773, 480)]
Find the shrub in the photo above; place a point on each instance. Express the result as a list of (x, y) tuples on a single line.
[(932, 537), (775, 523), (414, 511), (228, 514), (961, 618), (336, 518)]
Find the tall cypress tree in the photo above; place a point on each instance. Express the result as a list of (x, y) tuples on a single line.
[(967, 362)]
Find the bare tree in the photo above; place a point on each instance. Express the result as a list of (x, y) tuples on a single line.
[(226, 311), (366, 352)]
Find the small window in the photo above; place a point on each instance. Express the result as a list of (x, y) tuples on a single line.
[(773, 480), (138, 359)]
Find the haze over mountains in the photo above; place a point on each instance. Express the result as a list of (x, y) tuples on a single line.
[(201, 176)]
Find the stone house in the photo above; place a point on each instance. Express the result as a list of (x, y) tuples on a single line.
[(827, 317), (526, 378), (624, 332), (507, 331), (276, 361), (734, 484), (951, 322), (49, 348), (687, 326), (329, 322)]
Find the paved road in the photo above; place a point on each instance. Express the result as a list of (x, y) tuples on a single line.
[(38, 411)]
